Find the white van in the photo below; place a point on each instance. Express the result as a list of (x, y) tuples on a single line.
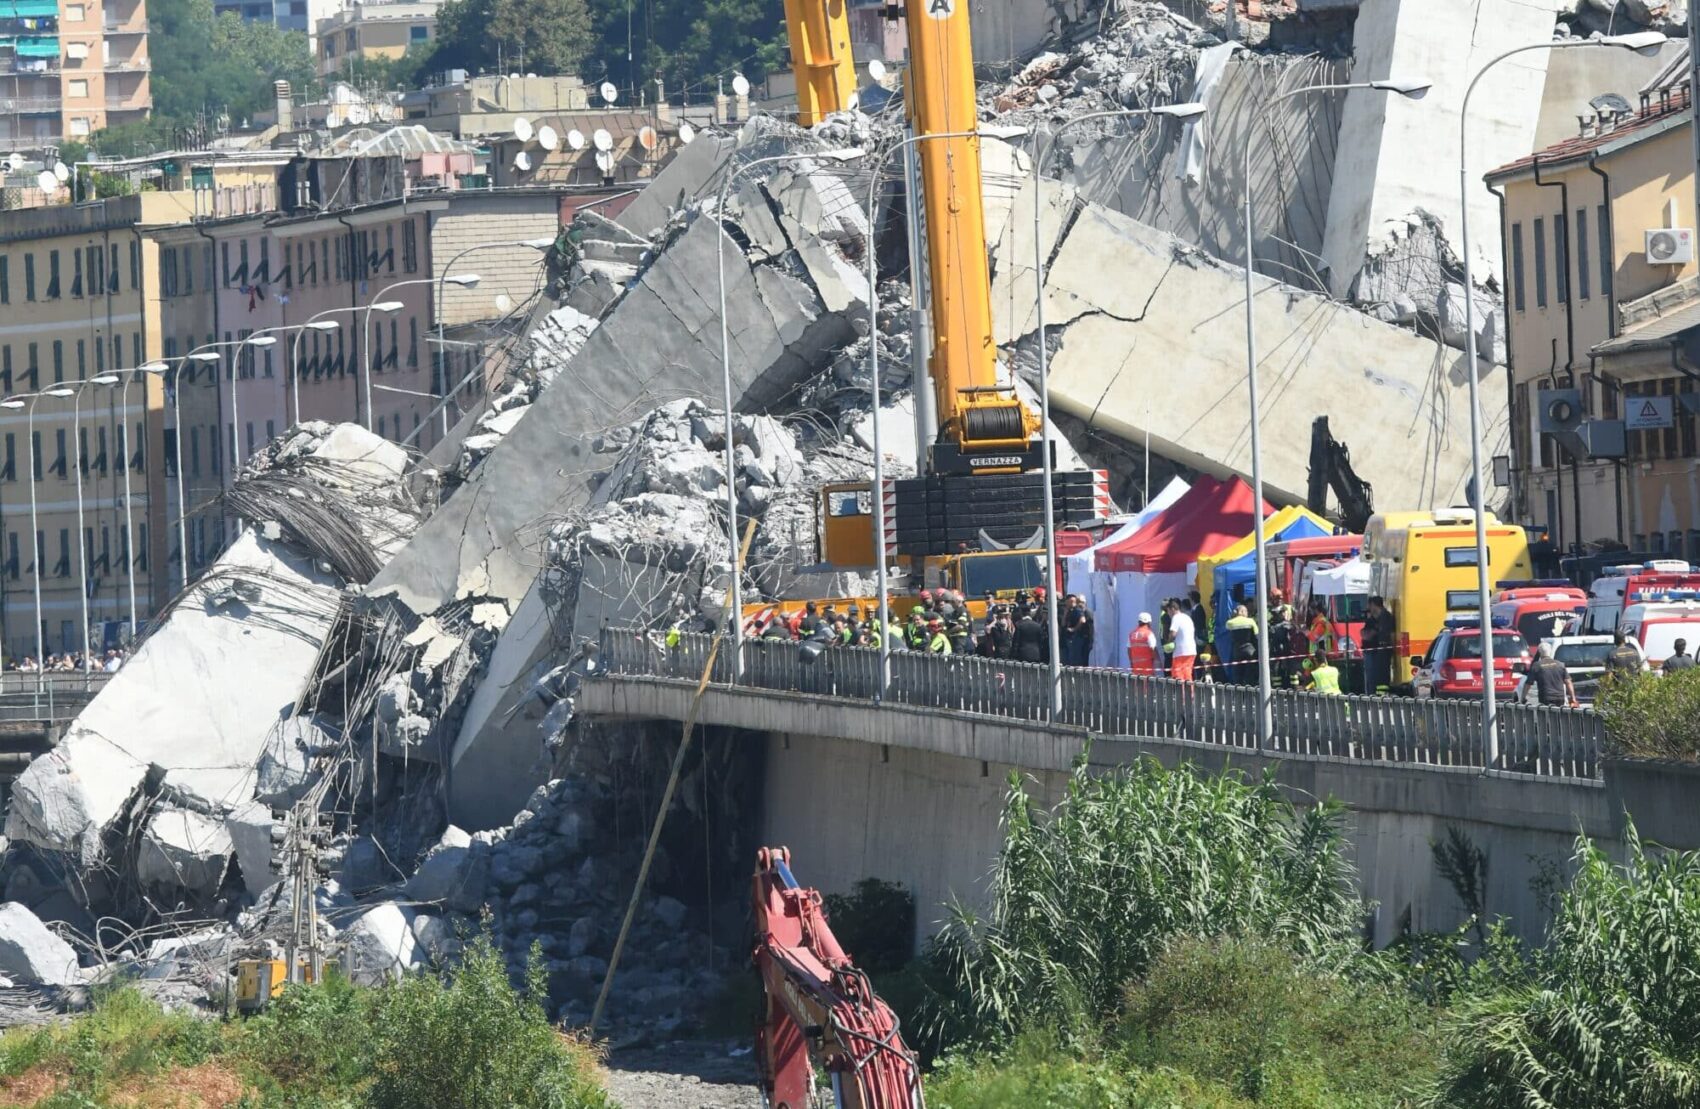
[(1621, 585), (1657, 626)]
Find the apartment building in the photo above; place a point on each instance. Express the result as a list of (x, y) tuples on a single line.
[(379, 30), (1603, 311), (68, 69), (79, 304)]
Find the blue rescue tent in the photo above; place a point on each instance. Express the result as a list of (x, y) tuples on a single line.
[(1235, 581)]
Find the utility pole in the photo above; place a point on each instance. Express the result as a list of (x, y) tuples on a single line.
[(301, 840)]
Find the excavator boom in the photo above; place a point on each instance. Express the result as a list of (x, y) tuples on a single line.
[(819, 1008)]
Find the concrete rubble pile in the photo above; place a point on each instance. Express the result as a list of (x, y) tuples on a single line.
[(148, 803)]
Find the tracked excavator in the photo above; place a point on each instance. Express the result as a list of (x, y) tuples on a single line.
[(1331, 469), (820, 1015), (973, 519)]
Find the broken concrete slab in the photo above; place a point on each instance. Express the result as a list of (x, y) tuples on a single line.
[(249, 828), (693, 168), (29, 951), (1137, 321), (380, 945), (183, 850), (454, 875), (660, 342), (254, 622)]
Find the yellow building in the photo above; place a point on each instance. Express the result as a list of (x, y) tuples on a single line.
[(79, 299), (68, 69), (1601, 300), (381, 30)]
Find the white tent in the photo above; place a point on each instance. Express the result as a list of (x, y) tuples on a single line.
[(1350, 578), (1099, 588)]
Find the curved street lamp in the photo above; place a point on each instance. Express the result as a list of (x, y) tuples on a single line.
[(82, 543), (464, 280)]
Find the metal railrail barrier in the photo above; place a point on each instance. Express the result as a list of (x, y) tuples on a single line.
[(1550, 742), (49, 697)]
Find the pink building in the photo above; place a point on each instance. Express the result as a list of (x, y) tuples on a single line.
[(276, 274)]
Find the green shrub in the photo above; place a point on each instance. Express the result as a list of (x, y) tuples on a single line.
[(1653, 717), (1261, 1023), (313, 1041), (1084, 898), (1607, 1015), (875, 924), (1037, 1072), (473, 1042)]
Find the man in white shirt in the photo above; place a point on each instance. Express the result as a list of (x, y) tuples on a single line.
[(1183, 642)]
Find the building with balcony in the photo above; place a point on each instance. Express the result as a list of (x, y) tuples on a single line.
[(1603, 312), (70, 69), (379, 30)]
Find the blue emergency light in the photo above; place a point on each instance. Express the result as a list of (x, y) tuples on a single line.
[(1536, 583)]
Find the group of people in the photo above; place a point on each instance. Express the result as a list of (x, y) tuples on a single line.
[(1181, 644), (939, 622), (70, 662)]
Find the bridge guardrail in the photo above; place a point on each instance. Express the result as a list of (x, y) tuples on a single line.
[(1550, 742), (47, 696)]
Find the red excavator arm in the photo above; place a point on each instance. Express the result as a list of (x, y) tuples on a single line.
[(819, 1007)]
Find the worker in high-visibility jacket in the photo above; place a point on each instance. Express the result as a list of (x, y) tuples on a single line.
[(1319, 633), (1324, 678), (938, 641), (1142, 647)]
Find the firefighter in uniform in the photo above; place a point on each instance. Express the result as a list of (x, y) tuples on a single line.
[(1142, 647)]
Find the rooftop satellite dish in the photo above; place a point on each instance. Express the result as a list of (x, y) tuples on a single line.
[(876, 70), (646, 137), (604, 161), (686, 132), (531, 76), (14, 162), (46, 182), (603, 140), (522, 129), (575, 139), (522, 161), (504, 302), (855, 101), (60, 172), (609, 92), (740, 84), (547, 138)]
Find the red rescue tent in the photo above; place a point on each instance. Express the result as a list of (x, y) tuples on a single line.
[(1210, 517)]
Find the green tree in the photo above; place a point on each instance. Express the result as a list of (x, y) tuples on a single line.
[(1607, 1015), (1655, 717), (688, 43), (538, 36)]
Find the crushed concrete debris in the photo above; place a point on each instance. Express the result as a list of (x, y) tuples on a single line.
[(30, 952)]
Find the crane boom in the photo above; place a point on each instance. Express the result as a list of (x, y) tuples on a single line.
[(825, 69), (975, 414)]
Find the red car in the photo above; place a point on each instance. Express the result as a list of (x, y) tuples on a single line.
[(1453, 667)]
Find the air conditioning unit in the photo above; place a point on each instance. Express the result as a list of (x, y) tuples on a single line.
[(1670, 246)]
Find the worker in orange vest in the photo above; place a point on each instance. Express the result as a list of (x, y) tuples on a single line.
[(1142, 647)]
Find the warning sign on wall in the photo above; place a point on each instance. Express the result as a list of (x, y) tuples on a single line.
[(1647, 413)]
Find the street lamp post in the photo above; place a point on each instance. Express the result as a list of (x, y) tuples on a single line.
[(1640, 41), (129, 519), (541, 243), (1171, 111), (37, 547), (201, 356), (77, 464), (1414, 90), (464, 280), (737, 590), (255, 340), (315, 322)]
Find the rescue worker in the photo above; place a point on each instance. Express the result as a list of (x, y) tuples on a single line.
[(1142, 647), (1242, 647), (1624, 661), (916, 633), (1549, 681), (938, 643), (1000, 634), (1077, 632), (1183, 641), (1324, 678), (961, 636), (1319, 632), (1680, 659), (1281, 653), (1279, 610), (1378, 635), (808, 622), (776, 629)]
